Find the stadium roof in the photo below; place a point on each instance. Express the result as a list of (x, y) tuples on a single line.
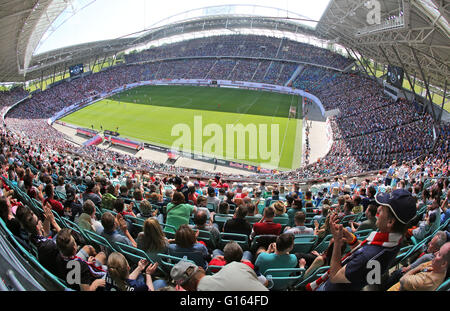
[(411, 34)]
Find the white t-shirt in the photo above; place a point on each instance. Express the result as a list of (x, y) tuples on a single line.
[(235, 276)]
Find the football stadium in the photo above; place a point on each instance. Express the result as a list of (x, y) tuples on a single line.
[(285, 148)]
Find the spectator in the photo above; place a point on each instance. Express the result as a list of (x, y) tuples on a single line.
[(109, 197), (395, 211), (212, 199), (178, 213), (91, 264), (369, 223), (56, 205), (433, 247), (266, 224), (235, 276), (186, 245), (299, 228), (201, 222), (152, 239), (427, 276), (231, 252), (280, 209), (277, 255), (119, 278), (238, 224), (87, 220), (297, 206), (112, 233), (92, 193)]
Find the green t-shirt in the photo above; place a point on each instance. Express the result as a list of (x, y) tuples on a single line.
[(178, 215), (273, 261)]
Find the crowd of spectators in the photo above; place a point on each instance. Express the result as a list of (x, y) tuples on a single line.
[(42, 188), (244, 46)]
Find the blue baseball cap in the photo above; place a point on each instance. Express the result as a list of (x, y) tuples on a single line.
[(401, 203)]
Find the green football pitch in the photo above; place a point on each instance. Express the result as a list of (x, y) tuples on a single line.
[(245, 126)]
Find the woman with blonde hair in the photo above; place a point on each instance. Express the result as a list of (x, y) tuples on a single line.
[(152, 239), (119, 278)]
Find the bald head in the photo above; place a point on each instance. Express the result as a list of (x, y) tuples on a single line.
[(442, 259)]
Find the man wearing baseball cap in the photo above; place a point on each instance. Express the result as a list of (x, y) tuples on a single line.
[(234, 276), (371, 258)]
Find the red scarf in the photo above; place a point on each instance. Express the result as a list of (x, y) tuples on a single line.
[(375, 238)]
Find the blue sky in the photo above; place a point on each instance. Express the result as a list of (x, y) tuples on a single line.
[(109, 19)]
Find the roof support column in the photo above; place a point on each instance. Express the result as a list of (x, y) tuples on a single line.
[(362, 64), (103, 62), (443, 101), (425, 81), (404, 70)]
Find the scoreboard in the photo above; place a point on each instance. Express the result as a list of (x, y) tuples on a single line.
[(395, 76), (76, 70)]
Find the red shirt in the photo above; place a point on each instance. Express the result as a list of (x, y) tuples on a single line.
[(218, 262), (267, 228)]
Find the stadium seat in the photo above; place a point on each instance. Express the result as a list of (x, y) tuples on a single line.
[(283, 278), (33, 259), (168, 230), (312, 277), (134, 255), (211, 207), (263, 240), (168, 261), (241, 239), (445, 286), (253, 219), (99, 241), (220, 220), (303, 246), (363, 234), (207, 237), (323, 245)]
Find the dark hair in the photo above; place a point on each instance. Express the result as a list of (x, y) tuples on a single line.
[(372, 209), (123, 189), (241, 211), (137, 194), (110, 189), (224, 208), (118, 205), (65, 242), (108, 222), (284, 241), (4, 210), (88, 207), (200, 218), (178, 198), (185, 236), (297, 204), (372, 191), (49, 190)]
